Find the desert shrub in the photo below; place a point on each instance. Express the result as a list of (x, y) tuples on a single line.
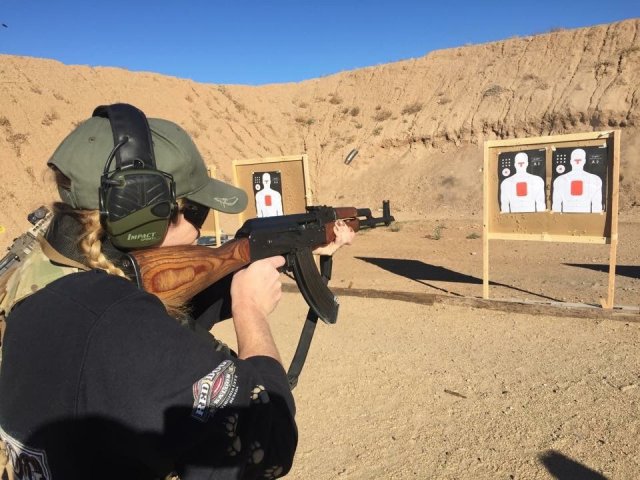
[(412, 108), (437, 232), (376, 131), (448, 181), (542, 85), (303, 105), (239, 106), (50, 117), (629, 50), (382, 115), (304, 120), (539, 83), (16, 140), (335, 99), (493, 91), (4, 122), (473, 236), (603, 64), (354, 111), (189, 98), (36, 90)]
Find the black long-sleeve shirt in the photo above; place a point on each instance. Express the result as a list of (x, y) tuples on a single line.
[(97, 381)]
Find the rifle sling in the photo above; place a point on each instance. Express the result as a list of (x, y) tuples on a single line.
[(303, 348), (295, 368)]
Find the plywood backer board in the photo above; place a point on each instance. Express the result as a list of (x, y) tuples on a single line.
[(548, 225), (293, 173)]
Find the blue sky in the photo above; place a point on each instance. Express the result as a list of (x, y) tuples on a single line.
[(259, 42)]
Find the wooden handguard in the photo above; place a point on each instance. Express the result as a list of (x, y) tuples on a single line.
[(176, 274), (346, 212), (349, 215)]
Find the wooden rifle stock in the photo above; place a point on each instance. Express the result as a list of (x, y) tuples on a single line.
[(176, 274)]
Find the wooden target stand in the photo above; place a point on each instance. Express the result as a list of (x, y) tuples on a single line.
[(541, 222)]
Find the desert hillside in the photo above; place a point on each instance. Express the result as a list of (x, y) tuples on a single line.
[(419, 124)]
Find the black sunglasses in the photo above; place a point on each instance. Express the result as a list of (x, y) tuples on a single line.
[(194, 213)]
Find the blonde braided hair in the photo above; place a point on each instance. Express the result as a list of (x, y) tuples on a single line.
[(90, 243)]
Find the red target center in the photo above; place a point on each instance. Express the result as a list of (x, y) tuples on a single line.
[(521, 189), (576, 188)]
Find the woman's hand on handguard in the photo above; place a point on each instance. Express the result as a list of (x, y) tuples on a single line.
[(344, 236)]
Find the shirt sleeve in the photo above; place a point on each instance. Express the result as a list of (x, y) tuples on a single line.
[(187, 407), (212, 305)]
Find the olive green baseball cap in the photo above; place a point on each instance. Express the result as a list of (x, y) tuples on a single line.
[(83, 153)]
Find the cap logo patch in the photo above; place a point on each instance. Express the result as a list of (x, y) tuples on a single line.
[(215, 390), (226, 201)]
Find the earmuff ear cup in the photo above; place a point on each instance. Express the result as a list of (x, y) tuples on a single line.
[(136, 207)]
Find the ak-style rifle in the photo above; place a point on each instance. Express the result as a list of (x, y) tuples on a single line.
[(176, 274)]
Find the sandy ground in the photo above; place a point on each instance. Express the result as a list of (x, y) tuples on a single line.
[(398, 390)]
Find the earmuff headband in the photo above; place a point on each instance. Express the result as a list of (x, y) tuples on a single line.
[(131, 131)]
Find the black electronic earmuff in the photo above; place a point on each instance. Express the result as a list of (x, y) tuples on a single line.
[(137, 201)]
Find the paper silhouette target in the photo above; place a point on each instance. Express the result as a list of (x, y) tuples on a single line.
[(579, 177), (521, 181), (268, 193)]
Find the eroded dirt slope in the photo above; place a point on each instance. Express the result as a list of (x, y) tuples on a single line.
[(418, 124)]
